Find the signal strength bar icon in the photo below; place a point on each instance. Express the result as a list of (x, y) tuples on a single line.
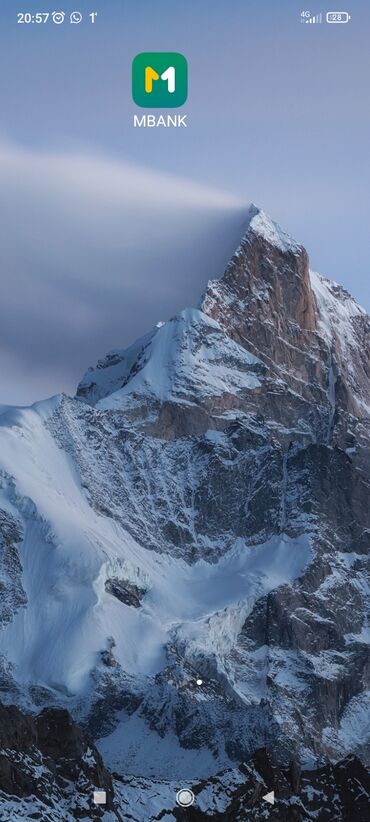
[(317, 18)]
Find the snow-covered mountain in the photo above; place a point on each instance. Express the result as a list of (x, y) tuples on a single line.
[(199, 511)]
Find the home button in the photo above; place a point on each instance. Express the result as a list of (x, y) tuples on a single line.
[(185, 798)]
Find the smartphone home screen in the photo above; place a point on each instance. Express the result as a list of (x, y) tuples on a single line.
[(184, 411)]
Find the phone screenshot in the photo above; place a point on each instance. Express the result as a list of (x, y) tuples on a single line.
[(184, 411)]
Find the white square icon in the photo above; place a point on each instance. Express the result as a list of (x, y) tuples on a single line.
[(100, 797)]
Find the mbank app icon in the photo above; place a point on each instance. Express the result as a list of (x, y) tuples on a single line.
[(159, 79)]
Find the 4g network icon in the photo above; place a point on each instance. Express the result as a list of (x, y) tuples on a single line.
[(159, 79)]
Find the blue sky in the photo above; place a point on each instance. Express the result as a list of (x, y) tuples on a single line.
[(278, 114)]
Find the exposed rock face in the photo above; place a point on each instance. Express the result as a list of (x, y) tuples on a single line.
[(12, 595), (332, 793), (201, 509), (310, 333), (339, 793), (49, 767), (278, 319), (127, 592)]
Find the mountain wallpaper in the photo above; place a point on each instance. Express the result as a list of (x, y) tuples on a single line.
[(185, 564)]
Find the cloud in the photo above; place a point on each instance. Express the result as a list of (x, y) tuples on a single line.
[(93, 252)]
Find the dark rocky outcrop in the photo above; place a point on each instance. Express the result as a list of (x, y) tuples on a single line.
[(49, 758), (339, 793), (127, 592)]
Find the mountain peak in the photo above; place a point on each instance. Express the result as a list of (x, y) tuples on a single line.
[(265, 299), (263, 226), (267, 327), (267, 276)]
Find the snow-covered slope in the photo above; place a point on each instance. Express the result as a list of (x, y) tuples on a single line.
[(69, 552), (188, 359), (200, 511), (261, 225)]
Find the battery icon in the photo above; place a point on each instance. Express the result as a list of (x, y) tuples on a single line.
[(337, 17)]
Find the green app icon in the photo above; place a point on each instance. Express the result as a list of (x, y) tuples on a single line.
[(159, 79)]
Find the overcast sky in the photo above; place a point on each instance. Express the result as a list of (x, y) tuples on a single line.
[(106, 229)]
